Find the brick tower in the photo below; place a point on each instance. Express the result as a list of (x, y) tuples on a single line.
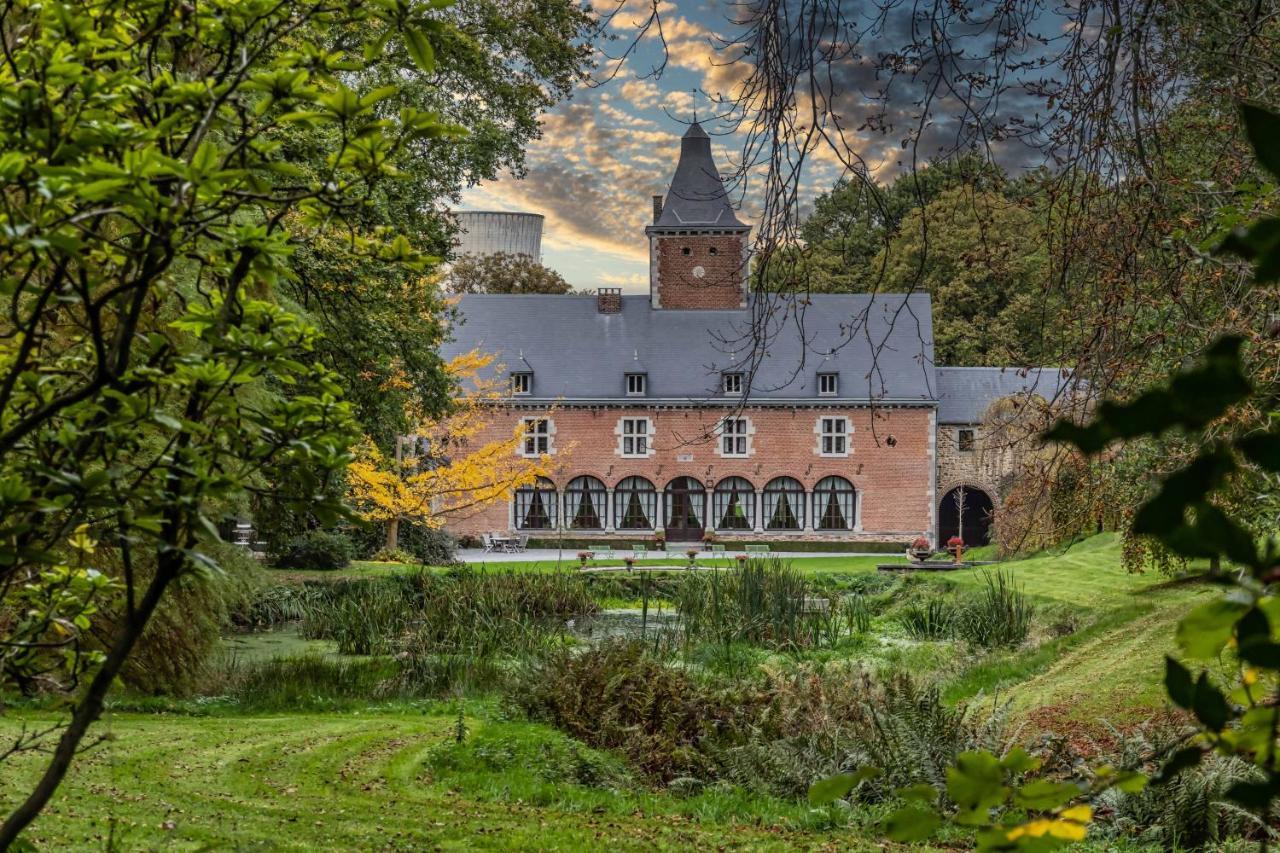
[(698, 250)]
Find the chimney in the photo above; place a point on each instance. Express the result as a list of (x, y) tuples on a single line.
[(609, 300), (657, 208)]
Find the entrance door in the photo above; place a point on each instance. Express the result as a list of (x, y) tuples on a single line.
[(686, 510), (965, 512)]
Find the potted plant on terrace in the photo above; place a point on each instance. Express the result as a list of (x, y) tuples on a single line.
[(692, 554), (630, 561), (659, 541), (583, 556), (956, 546), (920, 550)]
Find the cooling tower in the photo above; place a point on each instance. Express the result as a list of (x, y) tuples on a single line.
[(488, 232)]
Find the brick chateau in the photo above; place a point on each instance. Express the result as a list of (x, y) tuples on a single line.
[(702, 407)]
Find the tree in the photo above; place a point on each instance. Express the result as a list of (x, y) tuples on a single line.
[(499, 65), (503, 273), (452, 470), (150, 215)]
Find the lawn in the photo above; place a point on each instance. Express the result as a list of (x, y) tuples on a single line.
[(384, 779), (392, 775)]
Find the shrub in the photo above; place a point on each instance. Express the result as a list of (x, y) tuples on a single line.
[(432, 546), (930, 621), (317, 549), (1000, 615), (392, 555), (1189, 812), (618, 696)]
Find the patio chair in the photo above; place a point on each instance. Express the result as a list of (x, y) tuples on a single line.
[(487, 540), (521, 542), (639, 552)]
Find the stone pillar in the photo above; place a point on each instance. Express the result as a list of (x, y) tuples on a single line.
[(759, 513), (808, 512), (608, 511)]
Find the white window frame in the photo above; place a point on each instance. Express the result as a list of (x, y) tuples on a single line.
[(731, 384), (633, 444), (522, 383), (637, 384), (833, 379), (735, 442), (843, 436), (537, 442)]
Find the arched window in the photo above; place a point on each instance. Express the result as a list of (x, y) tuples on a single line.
[(834, 504), (783, 504), (585, 507), (536, 506), (735, 504), (686, 509), (635, 504)]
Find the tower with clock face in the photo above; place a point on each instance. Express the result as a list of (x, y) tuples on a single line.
[(698, 249)]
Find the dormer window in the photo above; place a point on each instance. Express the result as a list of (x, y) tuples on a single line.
[(732, 383), (828, 384), (637, 384), (522, 383)]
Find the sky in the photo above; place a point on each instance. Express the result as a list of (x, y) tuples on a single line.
[(608, 149)]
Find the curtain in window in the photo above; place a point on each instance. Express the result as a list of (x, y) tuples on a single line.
[(584, 503), (536, 506), (784, 504), (735, 504), (834, 505), (686, 503), (635, 504)]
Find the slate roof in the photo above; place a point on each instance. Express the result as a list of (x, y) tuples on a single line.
[(964, 393), (881, 346), (696, 197)]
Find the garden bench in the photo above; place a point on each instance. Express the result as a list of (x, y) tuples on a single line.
[(756, 549), (715, 549), (602, 553), (639, 551)]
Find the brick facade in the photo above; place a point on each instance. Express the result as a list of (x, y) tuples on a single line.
[(893, 479), (675, 260)]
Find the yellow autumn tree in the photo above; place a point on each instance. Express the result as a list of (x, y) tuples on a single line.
[(451, 470)]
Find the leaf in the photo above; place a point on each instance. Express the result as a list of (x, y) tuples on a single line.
[(1262, 449), (1262, 126), (921, 792), (1181, 760), (1045, 794), (837, 787), (976, 784), (1018, 760), (1210, 706), (1178, 683), (1205, 630), (1255, 796), (420, 49), (911, 824)]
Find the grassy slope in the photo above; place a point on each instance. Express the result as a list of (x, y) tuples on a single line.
[(368, 781)]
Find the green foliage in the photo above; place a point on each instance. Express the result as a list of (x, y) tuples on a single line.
[(504, 273), (392, 555), (999, 615), (317, 549), (931, 620)]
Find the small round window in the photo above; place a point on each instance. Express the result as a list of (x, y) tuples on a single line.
[(711, 251), (685, 250)]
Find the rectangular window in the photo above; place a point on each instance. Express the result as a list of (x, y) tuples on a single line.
[(835, 437), (635, 384), (537, 436), (732, 383), (521, 383), (733, 437), (635, 436), (828, 384), (964, 439)]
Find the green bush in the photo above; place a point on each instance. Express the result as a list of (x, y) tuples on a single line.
[(929, 621), (392, 555), (317, 549), (998, 616)]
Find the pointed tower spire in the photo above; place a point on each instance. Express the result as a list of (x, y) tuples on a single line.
[(697, 196)]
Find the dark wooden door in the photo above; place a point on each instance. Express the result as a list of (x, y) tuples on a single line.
[(686, 510)]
